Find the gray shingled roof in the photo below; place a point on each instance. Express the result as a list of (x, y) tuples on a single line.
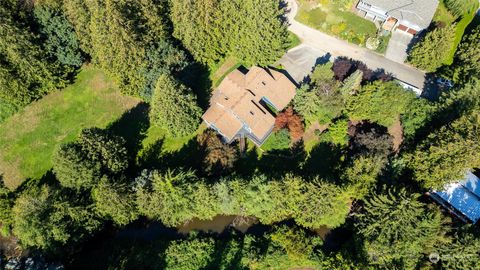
[(419, 12)]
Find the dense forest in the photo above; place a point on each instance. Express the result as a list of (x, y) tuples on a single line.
[(376, 149)]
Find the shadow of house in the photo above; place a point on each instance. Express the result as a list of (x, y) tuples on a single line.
[(284, 72), (247, 164)]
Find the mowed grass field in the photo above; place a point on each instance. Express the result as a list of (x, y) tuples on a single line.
[(29, 138)]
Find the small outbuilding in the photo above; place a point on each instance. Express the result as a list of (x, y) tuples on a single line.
[(461, 198)]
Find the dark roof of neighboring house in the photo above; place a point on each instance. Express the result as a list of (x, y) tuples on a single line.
[(419, 12), (463, 196)]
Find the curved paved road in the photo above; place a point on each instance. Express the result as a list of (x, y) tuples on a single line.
[(320, 41)]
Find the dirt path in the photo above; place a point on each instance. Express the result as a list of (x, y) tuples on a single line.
[(396, 130)]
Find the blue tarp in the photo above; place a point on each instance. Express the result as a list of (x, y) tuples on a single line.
[(463, 196)]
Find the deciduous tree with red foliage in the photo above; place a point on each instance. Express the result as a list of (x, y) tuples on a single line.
[(344, 67), (292, 121)]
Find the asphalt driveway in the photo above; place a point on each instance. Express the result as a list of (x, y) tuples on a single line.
[(300, 61)]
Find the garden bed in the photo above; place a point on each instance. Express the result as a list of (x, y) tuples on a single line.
[(336, 19)]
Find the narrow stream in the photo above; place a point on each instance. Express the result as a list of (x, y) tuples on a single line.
[(218, 224)]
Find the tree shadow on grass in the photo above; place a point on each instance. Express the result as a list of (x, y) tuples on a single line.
[(188, 157), (277, 163), (132, 126), (48, 178)]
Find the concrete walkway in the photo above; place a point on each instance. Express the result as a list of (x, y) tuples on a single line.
[(398, 46), (322, 42)]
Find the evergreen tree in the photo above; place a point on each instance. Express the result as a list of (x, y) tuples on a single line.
[(432, 51), (175, 197), (380, 102), (42, 218), (6, 204), (73, 169), (320, 100), (26, 73), (322, 204), (128, 39), (398, 230), (307, 103), (174, 107), (467, 58), (104, 148), (190, 254), (446, 155), (60, 40), (80, 164), (352, 84), (461, 253), (114, 200), (362, 174), (250, 30), (461, 7), (322, 74)]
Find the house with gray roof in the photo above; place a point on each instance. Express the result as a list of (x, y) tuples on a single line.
[(410, 16)]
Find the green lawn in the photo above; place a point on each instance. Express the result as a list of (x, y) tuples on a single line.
[(459, 31), (29, 138), (444, 16), (222, 69), (170, 144), (329, 17), (294, 40)]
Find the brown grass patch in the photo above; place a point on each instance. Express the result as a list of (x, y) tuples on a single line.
[(310, 133), (9, 173)]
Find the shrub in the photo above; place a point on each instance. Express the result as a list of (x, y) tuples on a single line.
[(293, 122), (218, 156), (60, 38), (337, 133), (278, 140), (432, 51)]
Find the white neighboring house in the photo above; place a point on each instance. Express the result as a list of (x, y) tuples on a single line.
[(410, 16)]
